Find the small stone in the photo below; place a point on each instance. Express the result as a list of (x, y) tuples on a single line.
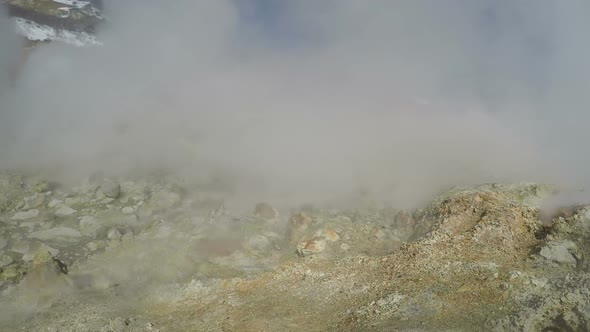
[(107, 200), (114, 234), (74, 201), (328, 234), (379, 234), (127, 236), (129, 220), (110, 188), (344, 247), (343, 219), (5, 260), (54, 203), (89, 226), (65, 211), (128, 210), (24, 215), (313, 246), (41, 186), (42, 257), (38, 201), (92, 246), (265, 211)]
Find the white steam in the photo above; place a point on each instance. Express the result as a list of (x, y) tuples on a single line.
[(313, 100)]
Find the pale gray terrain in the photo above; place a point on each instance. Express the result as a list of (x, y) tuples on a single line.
[(224, 165)]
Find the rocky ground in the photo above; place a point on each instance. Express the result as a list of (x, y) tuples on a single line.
[(69, 21), (154, 254)]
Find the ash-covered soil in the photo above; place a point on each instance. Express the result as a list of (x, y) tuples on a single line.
[(155, 254)]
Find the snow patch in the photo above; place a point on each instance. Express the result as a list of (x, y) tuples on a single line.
[(39, 32), (85, 6), (74, 3)]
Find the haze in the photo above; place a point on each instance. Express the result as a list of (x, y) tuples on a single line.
[(310, 101)]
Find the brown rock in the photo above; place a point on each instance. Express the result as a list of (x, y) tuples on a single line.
[(328, 234), (298, 223), (265, 211), (313, 246)]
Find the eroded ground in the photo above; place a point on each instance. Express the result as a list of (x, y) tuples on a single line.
[(152, 255)]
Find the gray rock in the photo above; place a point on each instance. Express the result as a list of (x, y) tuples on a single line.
[(65, 211), (265, 211), (127, 236), (114, 234), (313, 246), (128, 210), (74, 200), (5, 260), (41, 186), (54, 203), (24, 215), (37, 201), (92, 246), (57, 234), (89, 226), (560, 252), (95, 245), (110, 188)]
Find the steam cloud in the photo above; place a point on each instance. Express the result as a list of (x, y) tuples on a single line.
[(311, 100)]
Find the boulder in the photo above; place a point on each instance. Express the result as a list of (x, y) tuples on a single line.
[(265, 211), (110, 188), (563, 252)]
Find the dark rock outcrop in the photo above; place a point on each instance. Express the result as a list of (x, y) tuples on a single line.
[(80, 16)]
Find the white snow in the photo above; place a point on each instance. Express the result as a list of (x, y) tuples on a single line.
[(86, 6), (73, 3), (39, 32)]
